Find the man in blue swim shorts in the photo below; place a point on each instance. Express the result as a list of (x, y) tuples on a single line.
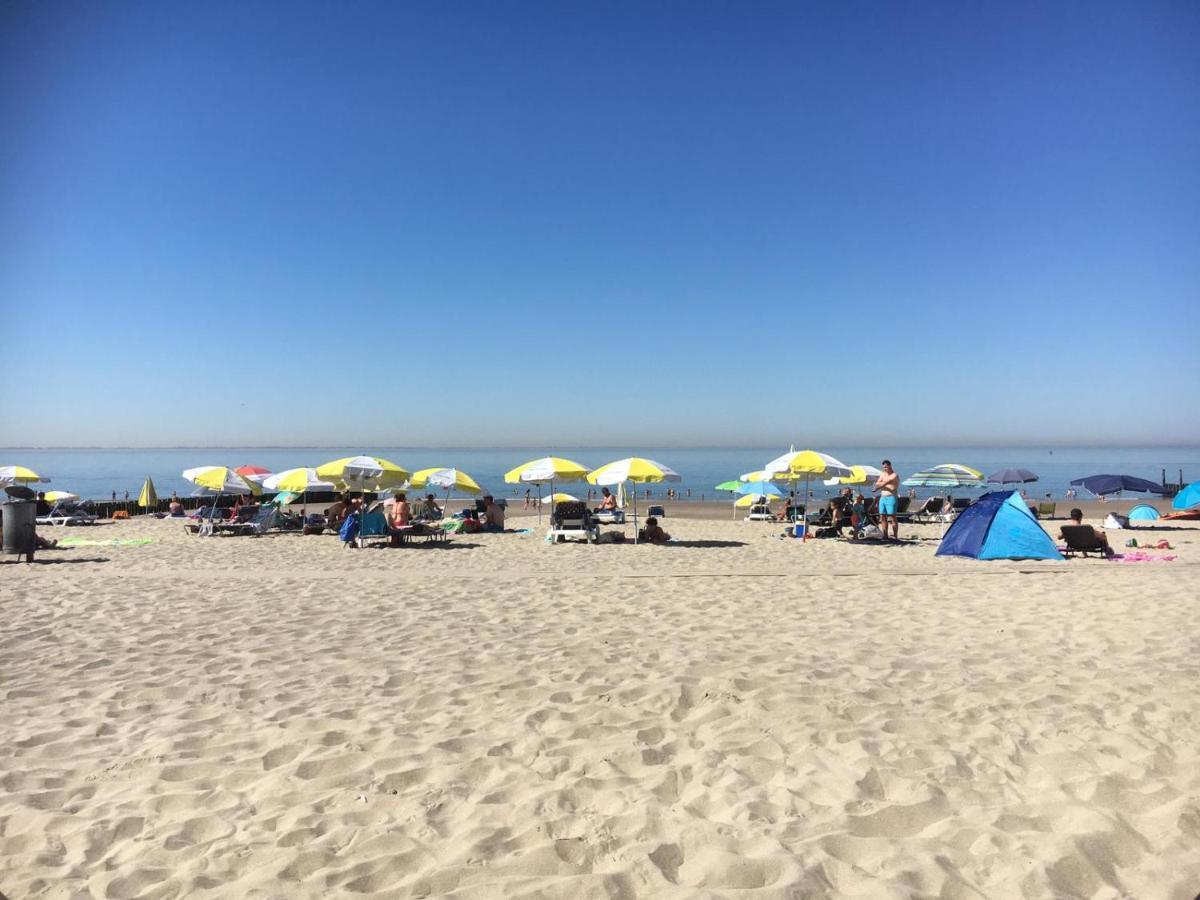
[(888, 485)]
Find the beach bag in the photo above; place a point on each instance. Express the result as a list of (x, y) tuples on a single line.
[(1113, 520), (349, 530)]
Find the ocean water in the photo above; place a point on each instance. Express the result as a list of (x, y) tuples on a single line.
[(96, 474)]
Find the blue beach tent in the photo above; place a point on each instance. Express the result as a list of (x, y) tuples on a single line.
[(998, 526), (1143, 512)]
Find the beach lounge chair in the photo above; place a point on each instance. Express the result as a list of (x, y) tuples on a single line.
[(63, 514), (572, 518), (760, 512), (1083, 539), (902, 513), (609, 516), (1045, 509), (929, 511), (251, 521)]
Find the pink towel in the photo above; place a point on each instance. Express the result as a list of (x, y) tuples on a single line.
[(1138, 556)]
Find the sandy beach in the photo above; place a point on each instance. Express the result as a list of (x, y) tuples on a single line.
[(730, 715)]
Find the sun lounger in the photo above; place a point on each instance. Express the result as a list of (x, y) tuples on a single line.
[(573, 519), (760, 512), (252, 524), (1083, 539), (418, 531), (929, 511), (609, 516), (902, 513)]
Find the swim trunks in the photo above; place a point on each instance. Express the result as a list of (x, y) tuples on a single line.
[(887, 506)]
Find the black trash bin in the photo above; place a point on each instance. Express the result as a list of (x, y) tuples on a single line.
[(20, 527)]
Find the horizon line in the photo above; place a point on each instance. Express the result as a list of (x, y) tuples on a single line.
[(504, 447)]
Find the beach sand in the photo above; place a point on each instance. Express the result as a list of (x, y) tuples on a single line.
[(734, 714)]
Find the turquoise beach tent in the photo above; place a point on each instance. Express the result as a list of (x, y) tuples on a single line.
[(998, 526), (1143, 512)]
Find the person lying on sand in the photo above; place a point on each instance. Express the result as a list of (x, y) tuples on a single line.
[(653, 532)]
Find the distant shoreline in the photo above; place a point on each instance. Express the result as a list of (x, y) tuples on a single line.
[(895, 445)]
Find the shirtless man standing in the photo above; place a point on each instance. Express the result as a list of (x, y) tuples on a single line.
[(888, 485)]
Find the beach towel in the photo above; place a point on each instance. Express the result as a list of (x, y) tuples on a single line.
[(112, 542), (1139, 556), (349, 530)]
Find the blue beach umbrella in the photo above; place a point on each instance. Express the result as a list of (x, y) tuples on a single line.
[(1188, 497), (1111, 484), (758, 488)]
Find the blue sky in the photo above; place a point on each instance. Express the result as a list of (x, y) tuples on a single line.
[(524, 224)]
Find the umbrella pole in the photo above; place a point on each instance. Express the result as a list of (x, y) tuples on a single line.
[(807, 503), (635, 528)]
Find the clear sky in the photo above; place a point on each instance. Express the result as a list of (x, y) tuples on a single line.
[(567, 223)]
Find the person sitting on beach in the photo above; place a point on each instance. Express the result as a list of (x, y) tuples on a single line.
[(653, 532), (336, 514), (401, 512), (608, 502), (1076, 518), (493, 516), (430, 509), (175, 508)]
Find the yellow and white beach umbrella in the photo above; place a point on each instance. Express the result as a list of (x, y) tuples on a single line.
[(19, 475), (298, 481), (364, 473), (753, 499), (757, 475), (56, 496), (546, 470), (859, 475), (560, 497), (807, 464), (447, 479), (636, 469), (220, 479)]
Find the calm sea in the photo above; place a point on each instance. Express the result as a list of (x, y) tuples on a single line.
[(96, 474)]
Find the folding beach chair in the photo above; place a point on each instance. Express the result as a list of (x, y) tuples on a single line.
[(1082, 539)]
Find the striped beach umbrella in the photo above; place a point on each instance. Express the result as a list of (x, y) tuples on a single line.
[(946, 475)]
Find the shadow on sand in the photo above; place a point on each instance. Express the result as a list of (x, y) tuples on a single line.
[(700, 543)]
